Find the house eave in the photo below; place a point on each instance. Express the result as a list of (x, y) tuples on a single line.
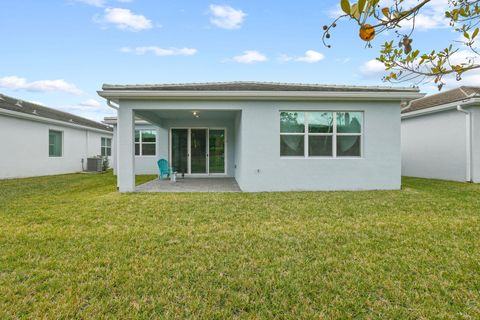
[(35, 118), (116, 95), (440, 108)]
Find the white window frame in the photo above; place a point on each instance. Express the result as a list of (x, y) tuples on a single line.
[(105, 147), (334, 135), (61, 143), (140, 143)]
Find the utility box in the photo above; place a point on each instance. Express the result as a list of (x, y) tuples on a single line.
[(94, 164)]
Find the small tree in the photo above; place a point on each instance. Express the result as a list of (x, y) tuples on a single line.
[(398, 55)]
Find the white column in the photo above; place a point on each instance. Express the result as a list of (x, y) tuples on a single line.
[(114, 156), (126, 152)]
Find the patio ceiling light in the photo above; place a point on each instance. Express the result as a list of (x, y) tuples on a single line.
[(195, 114)]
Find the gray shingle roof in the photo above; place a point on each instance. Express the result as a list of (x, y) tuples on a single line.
[(254, 86), (13, 104), (445, 97)]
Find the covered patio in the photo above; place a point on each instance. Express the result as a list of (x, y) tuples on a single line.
[(191, 185)]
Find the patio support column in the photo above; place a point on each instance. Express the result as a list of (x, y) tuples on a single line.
[(126, 152)]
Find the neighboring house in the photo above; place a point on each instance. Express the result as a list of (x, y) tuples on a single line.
[(441, 136), (37, 141), (269, 136)]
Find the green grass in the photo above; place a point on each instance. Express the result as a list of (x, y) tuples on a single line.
[(71, 247)]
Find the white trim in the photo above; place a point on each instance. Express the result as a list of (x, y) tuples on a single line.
[(62, 143), (140, 142), (114, 121), (468, 143), (391, 95), (106, 147), (50, 121)]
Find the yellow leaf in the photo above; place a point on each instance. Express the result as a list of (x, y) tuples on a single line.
[(354, 12)]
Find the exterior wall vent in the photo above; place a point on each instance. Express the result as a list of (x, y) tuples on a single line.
[(19, 103)]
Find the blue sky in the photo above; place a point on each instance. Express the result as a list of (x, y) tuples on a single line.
[(60, 52)]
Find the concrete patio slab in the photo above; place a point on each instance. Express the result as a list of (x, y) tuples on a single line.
[(191, 185)]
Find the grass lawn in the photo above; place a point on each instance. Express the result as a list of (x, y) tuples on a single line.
[(72, 247)]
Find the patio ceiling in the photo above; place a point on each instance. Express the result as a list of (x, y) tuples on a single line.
[(156, 116)]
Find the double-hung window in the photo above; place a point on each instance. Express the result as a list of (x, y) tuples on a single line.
[(55, 143), (106, 147), (321, 134), (145, 142)]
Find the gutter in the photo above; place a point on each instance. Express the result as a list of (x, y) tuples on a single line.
[(468, 135), (260, 95)]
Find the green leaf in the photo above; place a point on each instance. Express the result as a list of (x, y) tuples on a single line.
[(345, 6), (466, 35), (361, 5), (475, 33)]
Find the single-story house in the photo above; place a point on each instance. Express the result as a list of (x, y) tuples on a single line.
[(37, 141), (268, 136), (441, 136)]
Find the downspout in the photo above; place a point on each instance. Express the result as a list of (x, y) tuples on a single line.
[(468, 134), (111, 105)]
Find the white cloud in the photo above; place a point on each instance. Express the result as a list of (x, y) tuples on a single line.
[(250, 56), (91, 103), (90, 108), (310, 56), (431, 16), (99, 3), (18, 83), (95, 3), (96, 114), (372, 68), (124, 19), (226, 17), (161, 52)]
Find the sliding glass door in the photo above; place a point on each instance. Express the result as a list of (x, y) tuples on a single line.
[(198, 150), (216, 146), (179, 150)]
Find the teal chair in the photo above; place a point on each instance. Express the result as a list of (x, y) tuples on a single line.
[(165, 170)]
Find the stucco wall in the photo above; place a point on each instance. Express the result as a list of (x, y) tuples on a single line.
[(260, 167), (264, 170), (24, 148), (148, 164), (434, 146)]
